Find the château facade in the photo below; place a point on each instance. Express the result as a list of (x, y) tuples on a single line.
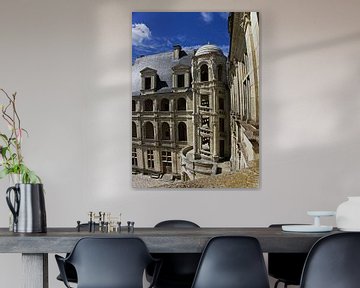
[(180, 105), (244, 88), (194, 109)]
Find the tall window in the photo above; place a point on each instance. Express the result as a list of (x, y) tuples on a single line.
[(148, 105), (204, 73), (134, 132), (221, 125), (222, 148), (147, 83), (134, 157), (221, 103), (166, 161), (181, 80), (149, 130), (150, 159), (165, 131), (181, 104), (164, 105), (182, 131), (133, 105), (220, 72), (205, 122), (166, 156), (204, 100)]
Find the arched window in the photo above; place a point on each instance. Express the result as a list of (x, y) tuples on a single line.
[(204, 73), (182, 131), (133, 105), (164, 105), (134, 132), (148, 105), (181, 104), (220, 72), (149, 130), (165, 131)]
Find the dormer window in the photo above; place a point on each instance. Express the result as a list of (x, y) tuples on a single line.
[(181, 77), (147, 83), (181, 80), (148, 80)]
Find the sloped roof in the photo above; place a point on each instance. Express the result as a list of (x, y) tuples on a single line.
[(163, 64)]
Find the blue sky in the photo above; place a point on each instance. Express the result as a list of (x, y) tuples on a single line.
[(155, 32)]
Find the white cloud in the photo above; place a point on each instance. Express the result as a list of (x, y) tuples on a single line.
[(140, 32), (224, 15), (207, 16), (225, 49)]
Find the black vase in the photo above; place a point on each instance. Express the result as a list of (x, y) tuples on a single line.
[(27, 207)]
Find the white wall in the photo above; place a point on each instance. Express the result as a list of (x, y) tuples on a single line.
[(70, 63)]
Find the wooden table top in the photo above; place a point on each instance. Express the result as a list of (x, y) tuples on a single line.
[(158, 240)]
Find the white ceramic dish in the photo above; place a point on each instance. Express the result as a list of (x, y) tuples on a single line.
[(306, 228), (321, 213)]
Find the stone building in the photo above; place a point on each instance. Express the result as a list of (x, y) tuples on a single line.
[(180, 105), (210, 115), (192, 110), (161, 111), (244, 88)]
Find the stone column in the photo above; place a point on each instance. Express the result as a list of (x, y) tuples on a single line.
[(174, 80), (215, 140), (155, 105), (187, 79), (195, 124)]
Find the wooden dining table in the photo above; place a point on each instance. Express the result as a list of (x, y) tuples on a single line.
[(35, 247)]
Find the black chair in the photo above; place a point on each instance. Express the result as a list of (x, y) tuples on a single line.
[(108, 263), (69, 269), (178, 269), (232, 262), (286, 267), (333, 262)]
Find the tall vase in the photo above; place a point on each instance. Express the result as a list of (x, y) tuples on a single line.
[(348, 214), (27, 204)]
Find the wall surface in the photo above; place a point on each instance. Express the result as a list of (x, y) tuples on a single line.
[(70, 62)]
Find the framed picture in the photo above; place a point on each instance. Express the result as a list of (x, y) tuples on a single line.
[(195, 99)]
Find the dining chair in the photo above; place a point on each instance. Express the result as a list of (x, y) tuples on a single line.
[(108, 263), (333, 262), (231, 262), (178, 269), (69, 269), (285, 267)]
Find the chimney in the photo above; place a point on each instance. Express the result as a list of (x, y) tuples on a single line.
[(176, 52)]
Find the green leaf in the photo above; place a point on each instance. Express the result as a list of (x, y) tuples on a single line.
[(4, 137), (3, 151), (4, 173)]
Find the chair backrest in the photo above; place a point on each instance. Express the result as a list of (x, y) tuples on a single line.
[(232, 262), (178, 269), (110, 262), (333, 262), (176, 224)]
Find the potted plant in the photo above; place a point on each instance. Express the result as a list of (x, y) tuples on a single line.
[(11, 159), (26, 198)]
